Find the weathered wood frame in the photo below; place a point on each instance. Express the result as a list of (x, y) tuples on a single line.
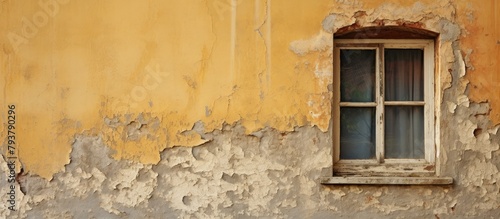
[(381, 166)]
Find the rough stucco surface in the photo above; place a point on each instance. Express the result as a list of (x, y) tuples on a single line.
[(259, 119), (269, 174), (481, 48)]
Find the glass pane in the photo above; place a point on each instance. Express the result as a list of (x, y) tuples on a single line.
[(357, 75), (357, 133), (404, 132), (404, 75)]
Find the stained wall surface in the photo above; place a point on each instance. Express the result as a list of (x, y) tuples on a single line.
[(222, 108)]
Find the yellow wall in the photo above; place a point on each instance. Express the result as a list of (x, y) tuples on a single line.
[(95, 67), (177, 61), (481, 20)]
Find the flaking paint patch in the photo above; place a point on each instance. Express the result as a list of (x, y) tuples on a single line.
[(135, 184), (481, 51), (269, 174), (320, 43), (451, 106), (272, 173), (142, 137)]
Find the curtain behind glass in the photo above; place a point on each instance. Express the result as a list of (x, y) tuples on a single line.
[(404, 125), (357, 84)]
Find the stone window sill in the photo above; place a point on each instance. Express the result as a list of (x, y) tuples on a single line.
[(385, 180)]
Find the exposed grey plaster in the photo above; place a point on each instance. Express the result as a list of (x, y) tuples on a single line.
[(449, 31), (328, 22), (334, 21), (320, 43), (270, 174)]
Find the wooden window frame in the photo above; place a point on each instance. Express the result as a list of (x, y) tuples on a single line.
[(380, 166)]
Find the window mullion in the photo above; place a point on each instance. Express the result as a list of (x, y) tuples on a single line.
[(379, 91)]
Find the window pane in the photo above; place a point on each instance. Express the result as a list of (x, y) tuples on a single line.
[(404, 132), (357, 75), (357, 135), (404, 75)]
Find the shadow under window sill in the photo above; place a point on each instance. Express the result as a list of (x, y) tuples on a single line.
[(386, 180)]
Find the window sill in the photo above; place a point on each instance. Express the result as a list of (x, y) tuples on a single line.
[(386, 180)]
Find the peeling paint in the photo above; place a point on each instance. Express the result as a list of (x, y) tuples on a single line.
[(223, 109)]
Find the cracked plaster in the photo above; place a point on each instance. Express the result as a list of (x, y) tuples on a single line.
[(251, 164)]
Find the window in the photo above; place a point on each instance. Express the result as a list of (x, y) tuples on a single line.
[(383, 108)]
